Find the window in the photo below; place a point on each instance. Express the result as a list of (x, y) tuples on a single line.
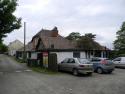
[(52, 46), (117, 59), (71, 60), (29, 54), (65, 61), (81, 60), (95, 59), (76, 54)]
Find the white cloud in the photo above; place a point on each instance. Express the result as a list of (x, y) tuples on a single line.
[(91, 10), (36, 6)]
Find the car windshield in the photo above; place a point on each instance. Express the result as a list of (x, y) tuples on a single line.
[(83, 61)]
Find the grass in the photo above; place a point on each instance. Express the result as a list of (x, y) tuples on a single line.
[(37, 69), (19, 60), (44, 70)]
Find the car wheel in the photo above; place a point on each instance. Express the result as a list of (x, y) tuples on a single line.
[(75, 72), (99, 70)]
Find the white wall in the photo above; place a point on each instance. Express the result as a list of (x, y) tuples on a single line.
[(82, 55), (62, 55), (12, 52)]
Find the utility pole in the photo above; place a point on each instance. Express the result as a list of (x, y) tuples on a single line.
[(24, 42)]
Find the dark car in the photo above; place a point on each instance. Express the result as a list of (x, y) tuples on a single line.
[(102, 65), (76, 66)]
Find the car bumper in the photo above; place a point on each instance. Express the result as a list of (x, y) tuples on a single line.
[(85, 71), (108, 69), (120, 65)]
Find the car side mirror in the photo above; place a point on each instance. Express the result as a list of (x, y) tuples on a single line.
[(62, 62)]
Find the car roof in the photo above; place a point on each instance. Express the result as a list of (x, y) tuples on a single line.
[(100, 57), (123, 58), (77, 58)]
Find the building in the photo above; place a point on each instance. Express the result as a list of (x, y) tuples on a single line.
[(14, 46), (50, 41)]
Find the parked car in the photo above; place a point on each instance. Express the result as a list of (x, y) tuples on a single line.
[(102, 65), (119, 62), (76, 66)]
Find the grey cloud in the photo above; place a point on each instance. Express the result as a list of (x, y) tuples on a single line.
[(101, 17)]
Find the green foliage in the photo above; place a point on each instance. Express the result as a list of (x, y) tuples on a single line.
[(8, 21), (114, 54), (119, 43), (88, 43), (85, 42), (44, 71), (90, 35), (73, 36), (3, 48)]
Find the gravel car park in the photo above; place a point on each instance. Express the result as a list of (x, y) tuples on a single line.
[(15, 80)]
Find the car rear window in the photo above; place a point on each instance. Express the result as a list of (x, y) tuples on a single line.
[(109, 61), (83, 61), (95, 59), (106, 60)]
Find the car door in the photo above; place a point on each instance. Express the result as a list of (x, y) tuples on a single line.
[(95, 62), (117, 62), (63, 65), (122, 62), (70, 64)]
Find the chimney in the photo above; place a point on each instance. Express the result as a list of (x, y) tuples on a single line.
[(54, 32)]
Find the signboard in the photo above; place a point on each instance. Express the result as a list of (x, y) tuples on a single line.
[(45, 54), (45, 59)]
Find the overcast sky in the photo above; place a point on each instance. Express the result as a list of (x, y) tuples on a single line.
[(100, 17)]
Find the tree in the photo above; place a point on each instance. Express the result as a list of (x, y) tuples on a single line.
[(84, 42), (3, 48), (90, 35), (88, 43), (8, 21), (119, 43), (73, 36)]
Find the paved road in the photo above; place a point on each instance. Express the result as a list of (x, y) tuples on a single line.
[(16, 79)]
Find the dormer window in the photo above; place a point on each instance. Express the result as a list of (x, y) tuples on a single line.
[(52, 46)]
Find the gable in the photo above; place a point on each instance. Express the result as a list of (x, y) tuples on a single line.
[(40, 45)]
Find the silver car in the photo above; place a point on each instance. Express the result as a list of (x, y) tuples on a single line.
[(119, 62), (76, 66)]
